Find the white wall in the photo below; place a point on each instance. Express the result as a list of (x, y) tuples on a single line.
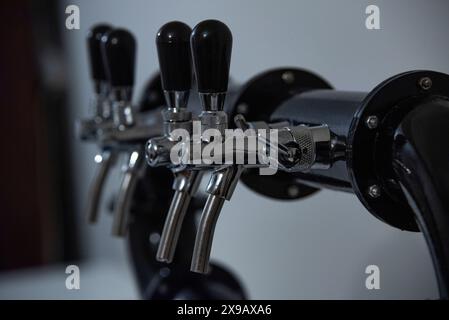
[(314, 248)]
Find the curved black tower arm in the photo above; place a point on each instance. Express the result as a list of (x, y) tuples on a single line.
[(390, 147), (421, 161)]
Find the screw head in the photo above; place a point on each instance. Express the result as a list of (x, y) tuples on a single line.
[(154, 238), (288, 77), (374, 191), (372, 122), (425, 83), (293, 191)]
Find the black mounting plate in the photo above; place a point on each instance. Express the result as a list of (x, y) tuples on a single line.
[(389, 102)]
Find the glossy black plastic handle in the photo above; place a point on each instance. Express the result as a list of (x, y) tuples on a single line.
[(97, 66), (421, 162), (173, 48), (119, 51), (211, 43)]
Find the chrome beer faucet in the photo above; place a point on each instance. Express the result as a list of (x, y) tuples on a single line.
[(101, 120), (211, 46), (118, 128), (173, 47), (365, 143), (101, 104), (211, 43), (119, 50)]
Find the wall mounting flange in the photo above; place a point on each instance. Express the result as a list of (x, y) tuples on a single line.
[(369, 164)]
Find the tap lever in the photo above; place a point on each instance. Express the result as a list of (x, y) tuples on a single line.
[(97, 65), (211, 43), (119, 51), (173, 48), (100, 103)]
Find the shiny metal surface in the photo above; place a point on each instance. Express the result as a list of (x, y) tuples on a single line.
[(121, 107), (214, 120), (176, 99), (220, 188), (172, 227), (127, 187), (186, 185), (105, 161), (302, 144), (122, 139), (123, 114), (158, 150), (223, 182), (205, 234), (213, 101), (101, 106)]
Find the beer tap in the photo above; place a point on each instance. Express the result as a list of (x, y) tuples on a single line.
[(119, 47), (101, 118), (173, 47), (367, 143), (211, 43)]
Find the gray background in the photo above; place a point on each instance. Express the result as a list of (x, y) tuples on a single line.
[(318, 247)]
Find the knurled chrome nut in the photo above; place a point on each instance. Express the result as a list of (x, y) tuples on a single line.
[(304, 139)]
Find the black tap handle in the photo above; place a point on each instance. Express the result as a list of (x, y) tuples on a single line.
[(119, 51), (97, 66), (211, 43), (173, 48)]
